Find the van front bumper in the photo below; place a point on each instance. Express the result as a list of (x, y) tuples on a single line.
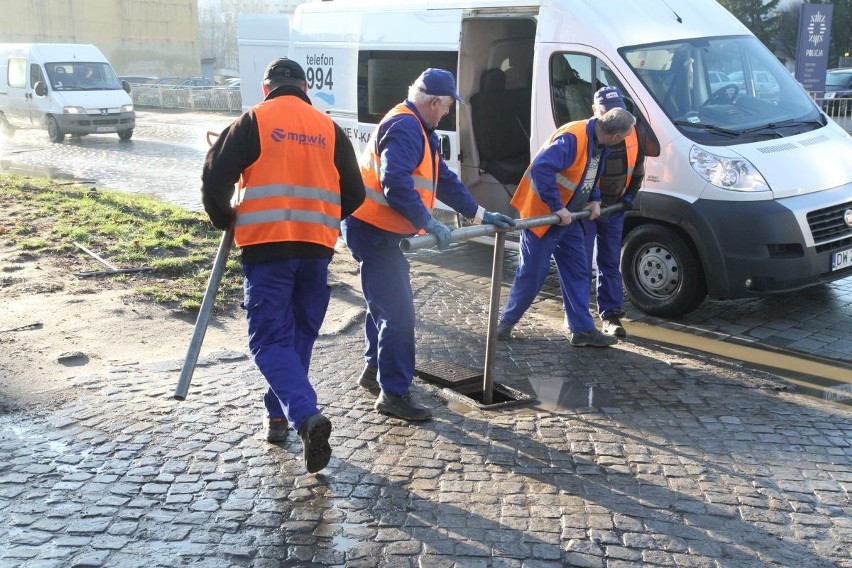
[(96, 123), (770, 247)]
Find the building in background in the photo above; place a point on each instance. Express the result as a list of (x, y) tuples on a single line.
[(139, 37)]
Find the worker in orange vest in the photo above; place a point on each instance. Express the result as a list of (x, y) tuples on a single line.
[(562, 179), (298, 175), (404, 175)]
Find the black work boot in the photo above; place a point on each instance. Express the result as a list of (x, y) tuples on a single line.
[(315, 432), (368, 379), (612, 326), (504, 331), (402, 407), (276, 429)]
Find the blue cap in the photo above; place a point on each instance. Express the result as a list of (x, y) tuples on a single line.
[(609, 98), (439, 83)]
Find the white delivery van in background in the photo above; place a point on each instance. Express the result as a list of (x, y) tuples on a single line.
[(64, 88), (748, 186), (260, 39)]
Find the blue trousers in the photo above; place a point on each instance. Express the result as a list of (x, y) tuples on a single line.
[(606, 232), (285, 302), (386, 285), (567, 245)]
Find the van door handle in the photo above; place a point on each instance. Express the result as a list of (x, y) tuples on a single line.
[(29, 95), (445, 146)]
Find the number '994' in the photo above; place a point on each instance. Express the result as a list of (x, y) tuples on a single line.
[(319, 78)]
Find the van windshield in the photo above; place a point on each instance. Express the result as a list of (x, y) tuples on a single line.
[(82, 76), (724, 90)]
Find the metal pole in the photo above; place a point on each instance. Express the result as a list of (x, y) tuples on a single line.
[(493, 312), (465, 233), (204, 314)]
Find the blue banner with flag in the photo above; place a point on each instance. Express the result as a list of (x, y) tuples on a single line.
[(812, 45)]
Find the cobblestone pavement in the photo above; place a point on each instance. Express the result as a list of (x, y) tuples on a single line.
[(630, 455)]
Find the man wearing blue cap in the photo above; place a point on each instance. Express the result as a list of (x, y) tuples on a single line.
[(404, 175), (619, 182)]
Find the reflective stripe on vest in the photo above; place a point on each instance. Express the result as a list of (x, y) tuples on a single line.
[(292, 192), (375, 209), (527, 200)]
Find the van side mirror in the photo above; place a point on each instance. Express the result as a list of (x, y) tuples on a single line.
[(445, 146), (40, 88), (126, 86)]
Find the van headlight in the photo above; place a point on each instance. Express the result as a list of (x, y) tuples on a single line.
[(735, 174), (126, 108), (73, 110)]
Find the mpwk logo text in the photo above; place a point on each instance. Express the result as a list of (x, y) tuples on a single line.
[(317, 140)]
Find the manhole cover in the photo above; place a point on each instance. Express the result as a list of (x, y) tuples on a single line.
[(448, 374)]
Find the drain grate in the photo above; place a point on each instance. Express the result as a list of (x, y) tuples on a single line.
[(448, 374)]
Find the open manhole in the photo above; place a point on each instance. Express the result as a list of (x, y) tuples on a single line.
[(502, 396)]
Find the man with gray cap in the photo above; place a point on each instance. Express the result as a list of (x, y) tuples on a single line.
[(619, 182), (562, 179), (298, 176), (404, 175)]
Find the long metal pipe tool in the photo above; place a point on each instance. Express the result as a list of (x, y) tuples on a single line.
[(203, 318), (466, 233)]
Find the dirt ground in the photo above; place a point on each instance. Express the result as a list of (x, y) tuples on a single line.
[(55, 325)]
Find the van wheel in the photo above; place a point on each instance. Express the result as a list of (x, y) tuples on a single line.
[(53, 130), (662, 274), (6, 129), (125, 134)]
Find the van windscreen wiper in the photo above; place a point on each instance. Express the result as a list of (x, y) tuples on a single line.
[(708, 127), (783, 124)]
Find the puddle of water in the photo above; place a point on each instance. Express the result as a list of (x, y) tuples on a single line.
[(557, 394)]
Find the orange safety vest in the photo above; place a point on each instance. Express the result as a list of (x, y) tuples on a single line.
[(292, 191), (527, 200), (375, 209)]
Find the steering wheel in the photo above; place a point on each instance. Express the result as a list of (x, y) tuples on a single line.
[(723, 92)]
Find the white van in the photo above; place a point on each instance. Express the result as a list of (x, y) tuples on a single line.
[(747, 191), (65, 88)]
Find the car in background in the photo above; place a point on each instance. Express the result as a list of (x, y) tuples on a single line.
[(717, 80), (765, 85), (176, 92), (226, 97), (138, 79), (838, 92)]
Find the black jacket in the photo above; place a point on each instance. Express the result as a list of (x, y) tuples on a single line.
[(237, 148)]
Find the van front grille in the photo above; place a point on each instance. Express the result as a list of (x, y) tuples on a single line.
[(828, 226)]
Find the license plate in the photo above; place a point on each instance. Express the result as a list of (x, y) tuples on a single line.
[(842, 259), (107, 129)]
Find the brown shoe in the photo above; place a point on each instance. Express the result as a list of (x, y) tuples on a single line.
[(276, 429)]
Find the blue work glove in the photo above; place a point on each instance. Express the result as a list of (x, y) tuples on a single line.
[(497, 219), (442, 232), (627, 202)]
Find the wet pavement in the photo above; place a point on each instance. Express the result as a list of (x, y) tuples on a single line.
[(637, 454), (645, 453)]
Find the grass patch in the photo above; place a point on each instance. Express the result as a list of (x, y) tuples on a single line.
[(128, 230)]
